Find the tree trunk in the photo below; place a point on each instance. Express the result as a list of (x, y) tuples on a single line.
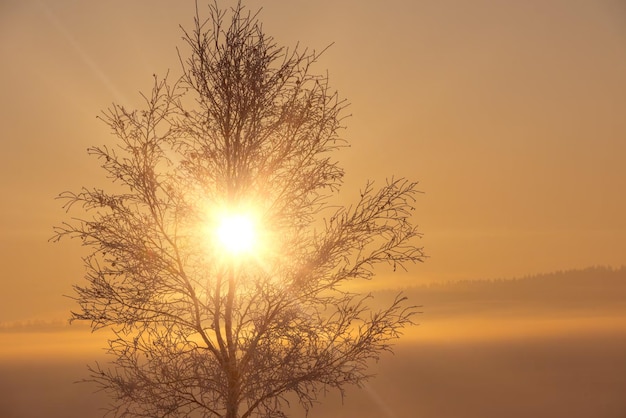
[(232, 401)]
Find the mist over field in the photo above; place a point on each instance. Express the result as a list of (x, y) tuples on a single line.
[(544, 346)]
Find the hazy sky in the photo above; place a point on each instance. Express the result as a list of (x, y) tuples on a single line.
[(509, 113)]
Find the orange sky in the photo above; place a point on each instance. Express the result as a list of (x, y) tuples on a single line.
[(511, 115)]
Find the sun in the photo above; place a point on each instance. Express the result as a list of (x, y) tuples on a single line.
[(236, 233)]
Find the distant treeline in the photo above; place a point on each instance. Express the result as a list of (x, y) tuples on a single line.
[(587, 276), (593, 290), (40, 325)]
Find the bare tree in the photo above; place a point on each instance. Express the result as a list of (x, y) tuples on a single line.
[(199, 331)]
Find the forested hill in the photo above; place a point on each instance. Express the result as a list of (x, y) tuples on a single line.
[(595, 290)]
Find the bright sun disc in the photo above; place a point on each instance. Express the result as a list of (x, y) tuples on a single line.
[(236, 233)]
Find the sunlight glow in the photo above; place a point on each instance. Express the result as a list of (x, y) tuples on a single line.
[(236, 233)]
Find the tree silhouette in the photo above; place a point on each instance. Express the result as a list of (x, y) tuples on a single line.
[(200, 332)]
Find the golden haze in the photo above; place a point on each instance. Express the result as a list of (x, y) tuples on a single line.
[(509, 113)]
